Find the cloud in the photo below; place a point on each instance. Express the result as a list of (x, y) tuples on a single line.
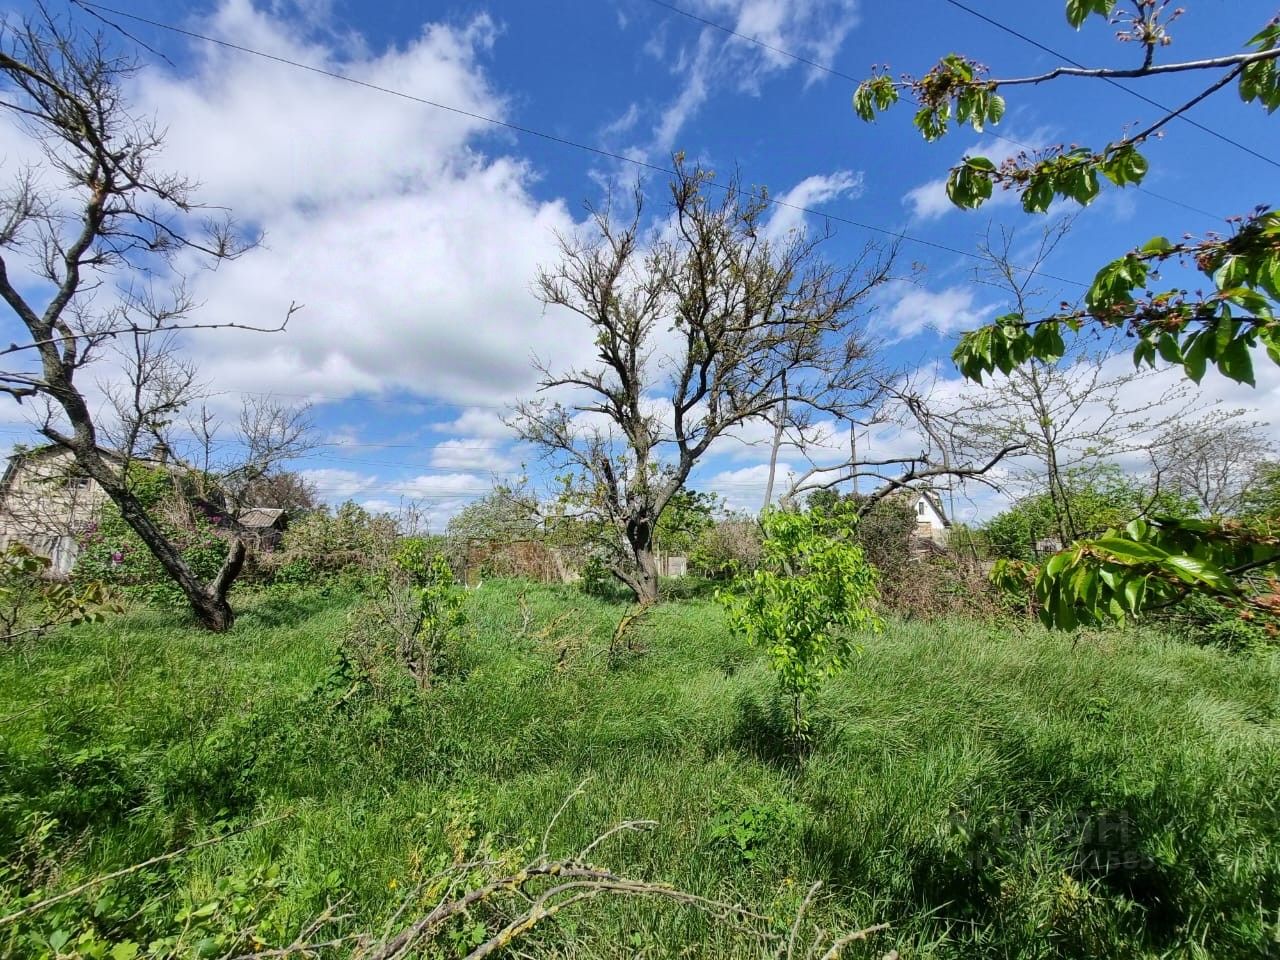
[(336, 485), (471, 454), (743, 488), (442, 485), (813, 29), (476, 422), (808, 193), (411, 251), (916, 310), (694, 93)]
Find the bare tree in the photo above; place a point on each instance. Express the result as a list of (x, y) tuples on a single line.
[(1213, 461), (1084, 409), (945, 455), (91, 244), (706, 327)]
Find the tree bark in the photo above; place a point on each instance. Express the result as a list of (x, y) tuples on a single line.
[(645, 586), (208, 601)]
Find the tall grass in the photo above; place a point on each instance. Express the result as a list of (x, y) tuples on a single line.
[(989, 791)]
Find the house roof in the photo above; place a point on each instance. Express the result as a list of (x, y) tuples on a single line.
[(259, 518)]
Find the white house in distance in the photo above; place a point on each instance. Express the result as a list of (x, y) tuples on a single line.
[(931, 520)]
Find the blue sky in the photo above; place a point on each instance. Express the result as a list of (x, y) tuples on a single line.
[(411, 235)]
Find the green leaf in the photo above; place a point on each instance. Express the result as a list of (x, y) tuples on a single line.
[(995, 109), (862, 102), (1144, 352), (1134, 590), (1047, 342), (1195, 355), (1170, 352), (1194, 570), (1038, 195), (1129, 551), (1236, 363), (1079, 10)]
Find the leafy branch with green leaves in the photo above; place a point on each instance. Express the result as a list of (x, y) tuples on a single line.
[(1147, 564), (32, 604)]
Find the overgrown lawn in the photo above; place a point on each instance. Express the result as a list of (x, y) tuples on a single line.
[(989, 791)]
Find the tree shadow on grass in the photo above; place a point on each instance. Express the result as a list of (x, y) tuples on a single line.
[(276, 611), (762, 729)]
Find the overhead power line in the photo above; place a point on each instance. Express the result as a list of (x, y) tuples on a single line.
[(992, 133), (563, 141), (1000, 25)]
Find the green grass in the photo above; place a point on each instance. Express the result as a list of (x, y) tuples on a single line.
[(989, 791)]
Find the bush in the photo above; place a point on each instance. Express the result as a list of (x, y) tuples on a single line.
[(935, 586), (324, 543), (597, 580), (1208, 621), (885, 532), (112, 554), (726, 549)]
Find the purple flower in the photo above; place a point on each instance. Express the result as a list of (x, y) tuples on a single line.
[(117, 558)]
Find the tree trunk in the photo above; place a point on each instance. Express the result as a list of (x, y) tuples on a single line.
[(645, 586), (214, 613), (208, 601)]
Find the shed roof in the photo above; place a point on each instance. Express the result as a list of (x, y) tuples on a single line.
[(260, 518)]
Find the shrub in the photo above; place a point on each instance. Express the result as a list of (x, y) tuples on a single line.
[(935, 586), (1206, 620), (112, 554), (597, 580), (884, 532), (814, 588), (414, 611), (31, 604), (326, 542), (726, 549)]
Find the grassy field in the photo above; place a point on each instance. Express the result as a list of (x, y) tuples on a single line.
[(987, 791)]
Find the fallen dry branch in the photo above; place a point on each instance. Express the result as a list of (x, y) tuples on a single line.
[(625, 624), (513, 903), (545, 888)]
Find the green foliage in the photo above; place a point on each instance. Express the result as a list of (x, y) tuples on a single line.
[(1097, 498), (1208, 620), (113, 555), (419, 559), (440, 601), (597, 579), (728, 548), (1261, 499), (748, 832), (1078, 11), (812, 593), (31, 604), (416, 609), (1100, 796), (327, 542), (1220, 328), (1147, 564), (687, 516), (1260, 80)]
